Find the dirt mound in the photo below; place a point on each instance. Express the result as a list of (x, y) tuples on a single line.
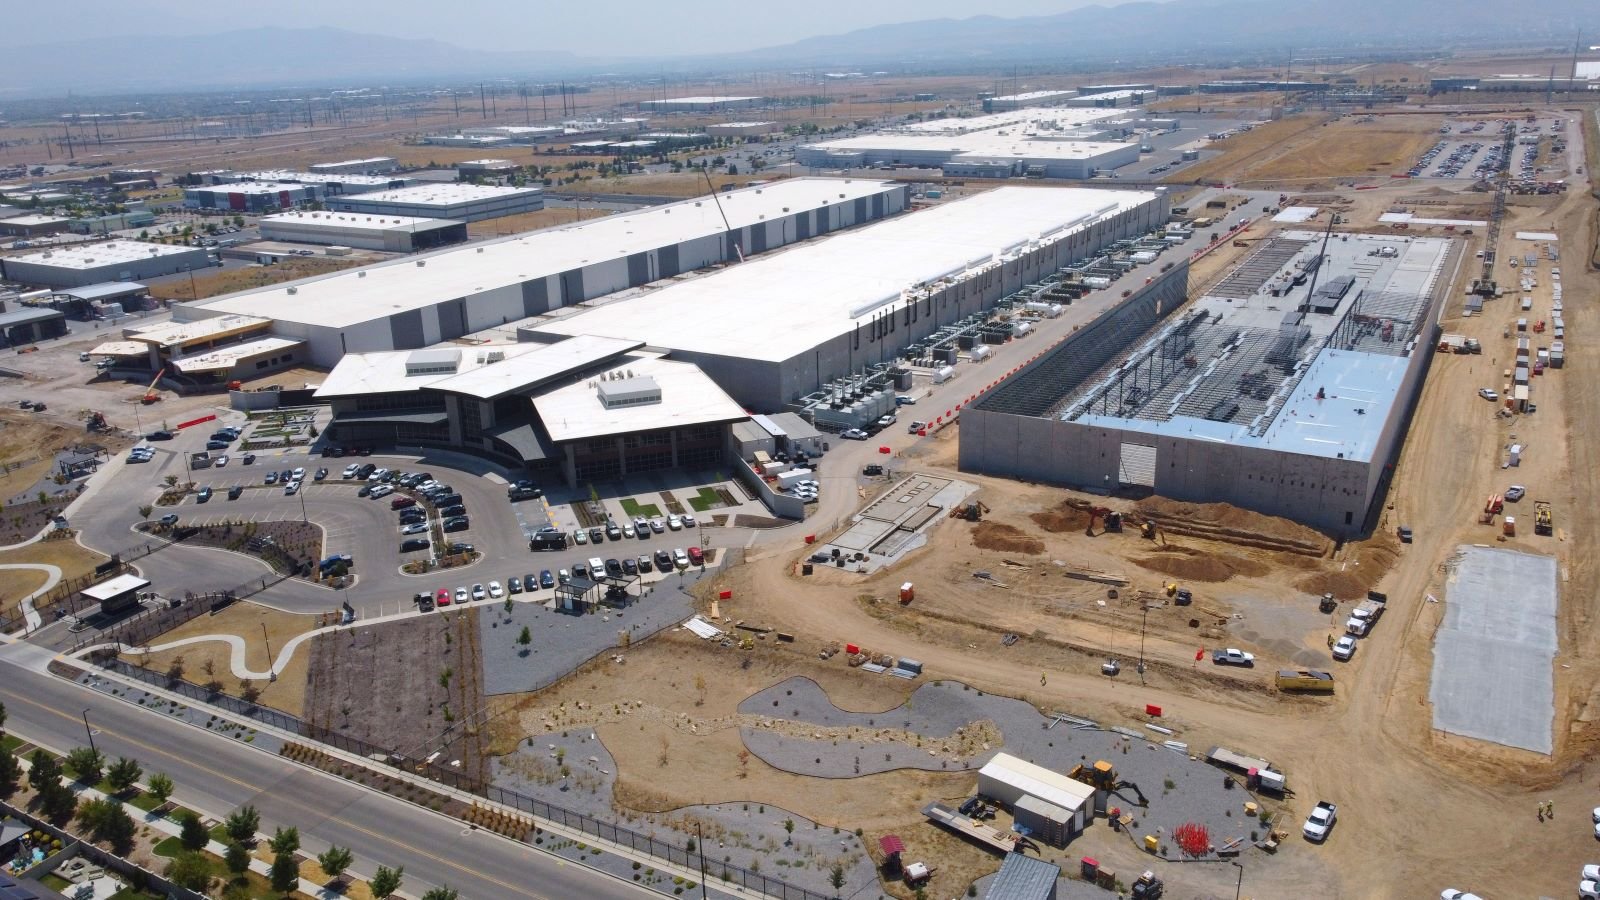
[(1007, 538), (1064, 517), (1365, 565), (1227, 520), (1191, 565)]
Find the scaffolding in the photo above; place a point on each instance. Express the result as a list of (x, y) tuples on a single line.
[(1258, 268)]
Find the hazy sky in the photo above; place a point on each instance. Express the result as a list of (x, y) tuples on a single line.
[(633, 27)]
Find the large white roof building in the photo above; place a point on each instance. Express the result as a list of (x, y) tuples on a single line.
[(91, 263), (452, 200)]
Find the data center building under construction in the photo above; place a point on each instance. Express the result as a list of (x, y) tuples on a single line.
[(1286, 389)]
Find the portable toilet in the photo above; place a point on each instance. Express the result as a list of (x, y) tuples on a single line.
[(908, 593)]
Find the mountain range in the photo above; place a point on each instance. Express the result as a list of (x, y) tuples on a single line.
[(1128, 35)]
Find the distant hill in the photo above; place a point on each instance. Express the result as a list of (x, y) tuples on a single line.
[(256, 57), (1137, 31)]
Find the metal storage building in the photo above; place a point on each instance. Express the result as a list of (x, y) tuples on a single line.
[(1044, 820), (31, 324), (395, 234), (440, 296), (92, 263), (1008, 780), (699, 104)]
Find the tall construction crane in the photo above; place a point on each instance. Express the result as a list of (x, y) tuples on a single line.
[(1485, 285)]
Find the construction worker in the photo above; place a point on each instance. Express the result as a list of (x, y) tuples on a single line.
[(1540, 812), (1549, 809), (1330, 641), (1041, 679)]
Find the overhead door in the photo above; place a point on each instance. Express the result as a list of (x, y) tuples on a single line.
[(1138, 465)]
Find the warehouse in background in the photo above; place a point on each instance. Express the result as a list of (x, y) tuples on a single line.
[(699, 104), (463, 202), (394, 234), (121, 260)]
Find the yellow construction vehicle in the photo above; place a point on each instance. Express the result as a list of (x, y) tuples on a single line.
[(972, 512), (1543, 520), (1102, 776)]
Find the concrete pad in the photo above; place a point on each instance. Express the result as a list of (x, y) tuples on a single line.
[(1494, 654)]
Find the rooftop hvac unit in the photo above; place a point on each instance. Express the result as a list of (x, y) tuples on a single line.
[(421, 263), (294, 290), (362, 274)]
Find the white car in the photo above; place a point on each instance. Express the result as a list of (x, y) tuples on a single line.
[(1453, 894), (377, 475), (292, 488), (658, 525), (1487, 394), (382, 490), (688, 520), (220, 462), (1344, 648), (854, 434), (1589, 890), (1591, 872), (680, 557), (461, 595), (1597, 815), (299, 473), (1233, 657), (1513, 494), (415, 528), (477, 592), (674, 523), (495, 590), (350, 470)]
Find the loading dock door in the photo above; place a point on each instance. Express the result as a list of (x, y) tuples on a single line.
[(1138, 465)]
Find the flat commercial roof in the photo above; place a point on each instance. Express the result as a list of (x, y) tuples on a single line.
[(253, 187), (34, 219), (987, 144), (1037, 781), (376, 222), (105, 253), (358, 295), (688, 397), (485, 372), (116, 587), (28, 315), (1035, 95), (1019, 121), (680, 101), (444, 194), (223, 359), (120, 348), (105, 290), (177, 334), (289, 175), (777, 306)]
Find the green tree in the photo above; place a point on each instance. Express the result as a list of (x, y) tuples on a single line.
[(57, 802), (335, 860), (285, 840), (161, 787), (123, 774), (191, 833), (788, 826), (525, 638), (243, 824), (89, 763), (145, 510), (441, 893), (2, 718), (109, 822), (189, 870), (43, 770), (285, 875), (836, 876), (385, 881), (9, 772), (237, 859)]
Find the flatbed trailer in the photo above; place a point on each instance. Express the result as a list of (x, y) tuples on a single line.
[(989, 836)]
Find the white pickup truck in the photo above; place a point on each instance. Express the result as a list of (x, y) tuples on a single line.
[(1320, 822)]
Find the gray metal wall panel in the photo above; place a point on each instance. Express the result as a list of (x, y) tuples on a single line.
[(758, 239), (667, 261), (572, 287), (803, 225), (535, 297), (405, 329), (861, 211), (638, 269), (452, 319)]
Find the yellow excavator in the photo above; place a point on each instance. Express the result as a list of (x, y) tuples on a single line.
[(1103, 777)]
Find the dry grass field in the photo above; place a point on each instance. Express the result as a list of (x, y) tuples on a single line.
[(245, 620), (216, 284), (544, 218)]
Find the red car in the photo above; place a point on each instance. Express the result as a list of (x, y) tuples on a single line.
[(697, 557), (401, 503), (442, 598)]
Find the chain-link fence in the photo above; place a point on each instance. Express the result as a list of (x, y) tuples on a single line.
[(675, 854)]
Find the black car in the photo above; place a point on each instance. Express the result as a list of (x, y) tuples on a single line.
[(366, 490), (411, 516), (249, 459), (321, 474), (613, 531), (629, 567), (597, 535), (460, 523), (546, 580), (461, 547), (286, 475), (235, 492), (160, 436), (453, 512), (216, 445), (424, 601), (664, 560), (338, 453), (203, 496), (614, 568), (411, 545), (580, 570), (514, 585), (873, 469)]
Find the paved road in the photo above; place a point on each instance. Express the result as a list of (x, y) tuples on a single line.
[(217, 775)]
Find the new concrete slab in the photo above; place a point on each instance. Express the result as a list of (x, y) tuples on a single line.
[(1494, 653)]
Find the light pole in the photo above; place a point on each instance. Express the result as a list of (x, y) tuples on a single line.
[(700, 844), (1238, 888), (272, 674), (87, 730)]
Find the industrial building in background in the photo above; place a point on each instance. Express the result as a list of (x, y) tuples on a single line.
[(374, 165), (1285, 390), (1027, 100), (76, 265), (743, 129), (463, 202), (699, 104), (393, 234)]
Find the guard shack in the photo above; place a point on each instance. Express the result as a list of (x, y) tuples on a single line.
[(118, 595)]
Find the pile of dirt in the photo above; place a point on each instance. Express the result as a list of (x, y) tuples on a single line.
[(1226, 522), (1064, 517), (1006, 538), (1364, 565), (1192, 565)]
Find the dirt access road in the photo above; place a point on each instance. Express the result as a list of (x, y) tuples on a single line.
[(1419, 809)]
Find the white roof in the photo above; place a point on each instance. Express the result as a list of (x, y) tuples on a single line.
[(1017, 120), (33, 219), (349, 297), (120, 348), (987, 144), (225, 358), (1037, 781), (104, 253), (487, 162), (679, 101), (168, 334), (741, 124), (478, 374), (786, 303), (357, 162), (289, 175), (1025, 96), (121, 584), (353, 221), (443, 194), (255, 187), (688, 397)]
